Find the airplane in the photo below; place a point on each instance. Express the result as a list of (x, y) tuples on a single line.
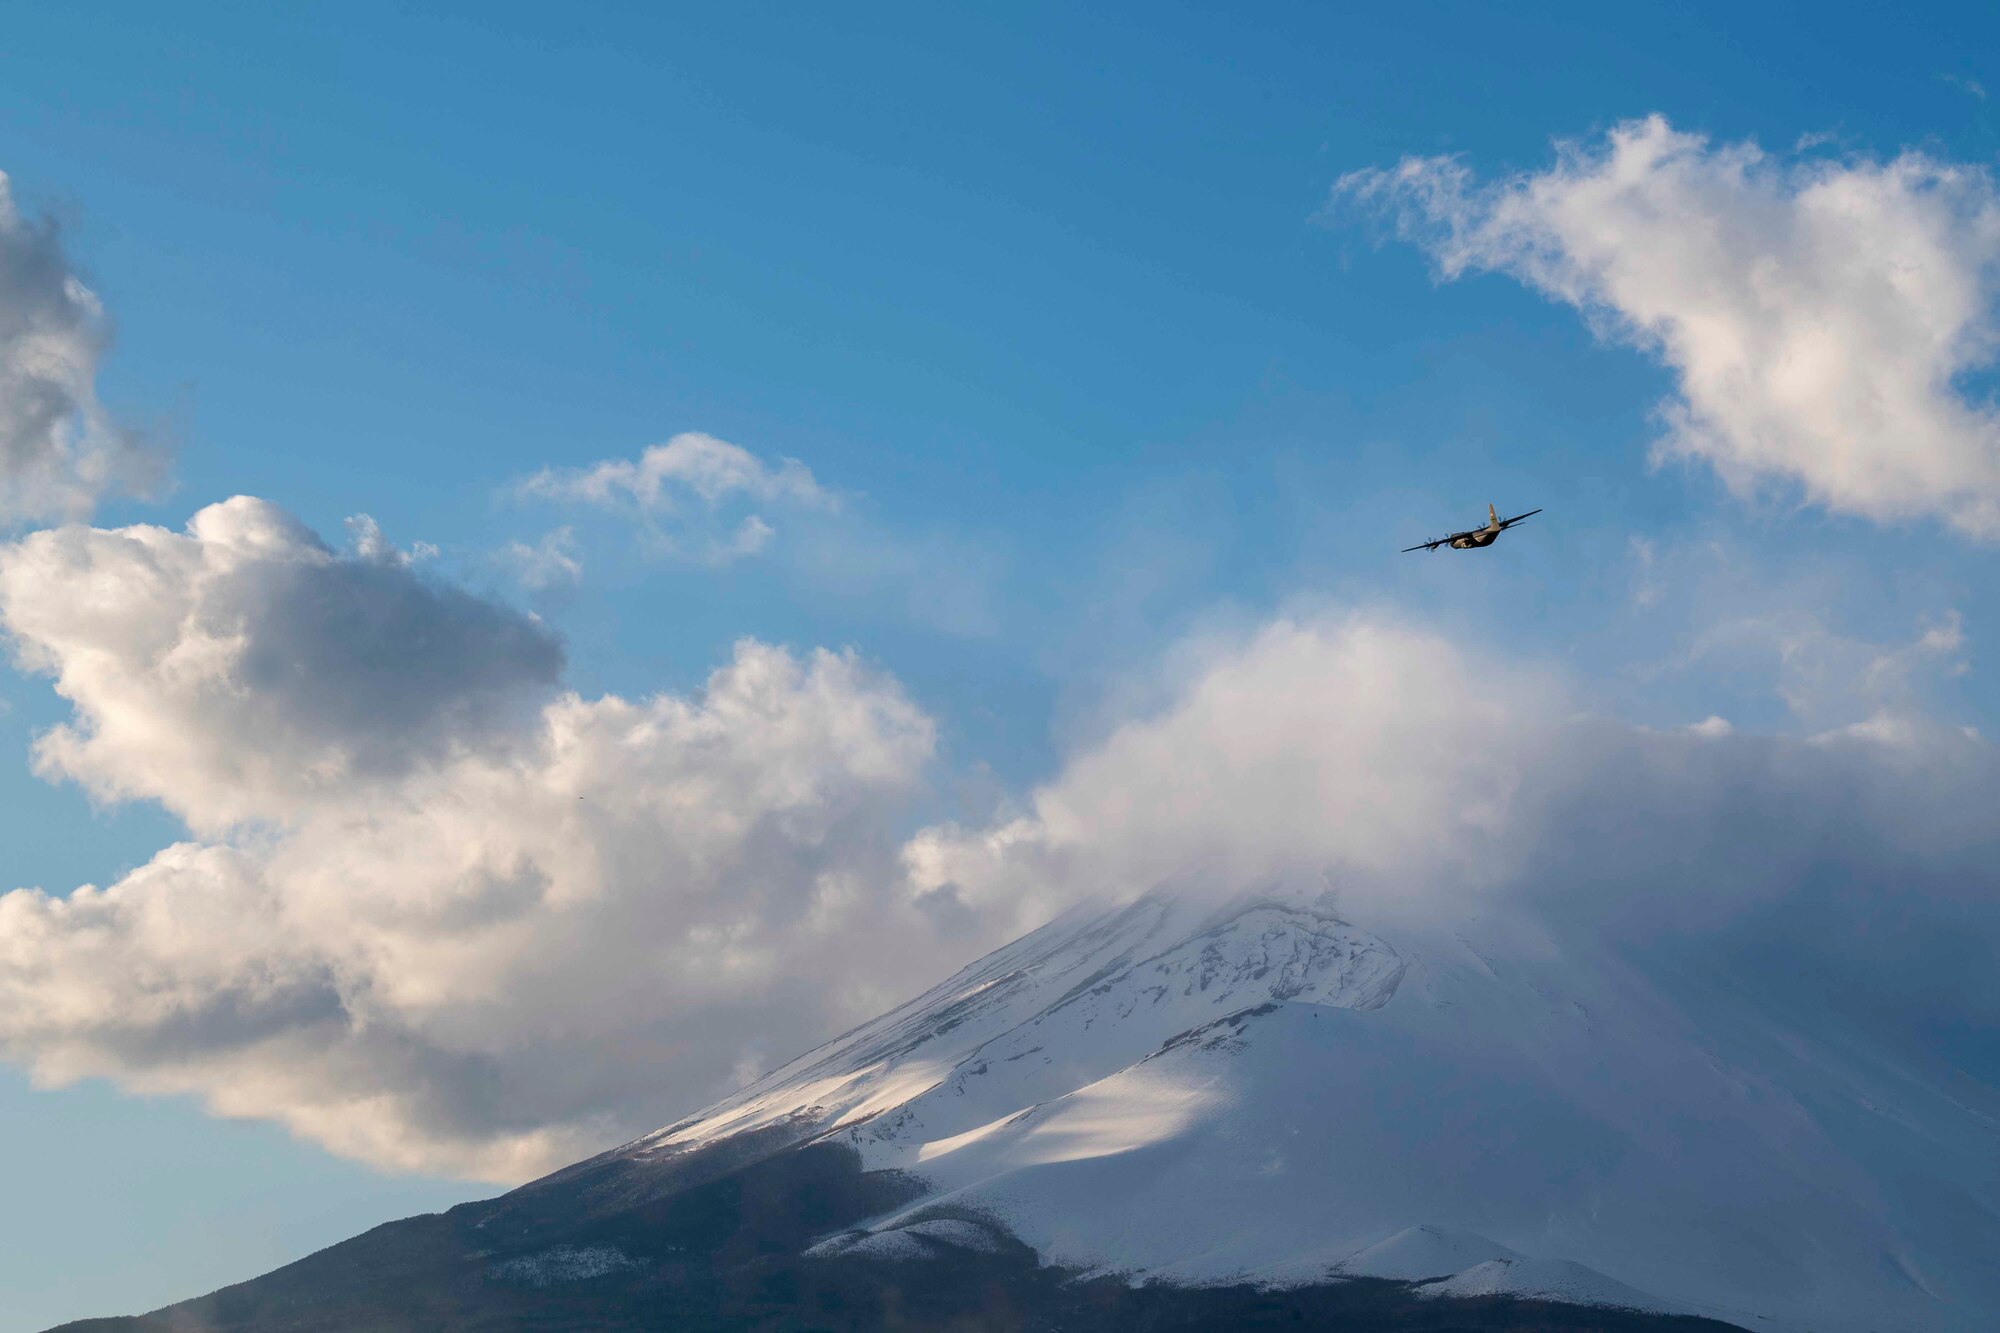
[(1476, 537)]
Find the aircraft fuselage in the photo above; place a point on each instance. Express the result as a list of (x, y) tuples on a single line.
[(1473, 540)]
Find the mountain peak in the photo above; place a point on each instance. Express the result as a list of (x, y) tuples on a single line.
[(1273, 1111), (1199, 1087)]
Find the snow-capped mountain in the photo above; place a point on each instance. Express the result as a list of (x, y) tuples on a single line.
[(1186, 1111), (1264, 1091)]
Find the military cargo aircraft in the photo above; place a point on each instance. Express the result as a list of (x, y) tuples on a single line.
[(1476, 537)]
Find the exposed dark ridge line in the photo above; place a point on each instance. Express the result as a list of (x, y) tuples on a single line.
[(726, 1254)]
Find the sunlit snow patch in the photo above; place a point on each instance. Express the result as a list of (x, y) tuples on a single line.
[(1103, 1120), (1545, 1280)]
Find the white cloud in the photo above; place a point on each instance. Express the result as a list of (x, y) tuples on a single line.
[(366, 539), (489, 949), (59, 450), (1820, 315), (242, 670), (687, 488), (1364, 744), (690, 464)]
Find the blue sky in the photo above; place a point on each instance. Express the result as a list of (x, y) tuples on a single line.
[(1060, 309)]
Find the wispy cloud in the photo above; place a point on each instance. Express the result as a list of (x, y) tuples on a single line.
[(1647, 587), (553, 562), (1970, 87), (1829, 679), (700, 501)]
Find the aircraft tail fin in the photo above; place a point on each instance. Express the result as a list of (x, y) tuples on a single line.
[(1492, 516)]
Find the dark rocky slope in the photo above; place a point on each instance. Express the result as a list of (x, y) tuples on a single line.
[(715, 1241)]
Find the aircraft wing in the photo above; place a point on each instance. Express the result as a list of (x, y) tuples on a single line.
[(1510, 522)]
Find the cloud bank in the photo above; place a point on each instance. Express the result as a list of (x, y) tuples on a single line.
[(59, 451), (1366, 745), (445, 916), (1821, 316), (1429, 782)]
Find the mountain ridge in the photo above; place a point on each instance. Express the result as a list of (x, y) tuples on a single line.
[(1257, 1097)]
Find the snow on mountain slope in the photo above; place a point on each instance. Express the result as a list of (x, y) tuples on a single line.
[(1201, 964), (1541, 1280), (1423, 1252), (1264, 1091)]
